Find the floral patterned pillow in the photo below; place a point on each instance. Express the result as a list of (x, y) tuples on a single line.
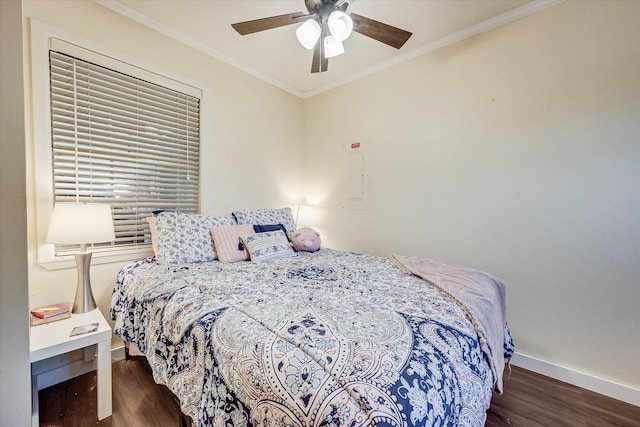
[(267, 216), (268, 246), (185, 238)]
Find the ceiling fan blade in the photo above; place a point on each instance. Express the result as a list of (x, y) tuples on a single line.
[(255, 25), (319, 63), (392, 36)]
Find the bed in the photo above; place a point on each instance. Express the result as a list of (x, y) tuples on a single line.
[(329, 338)]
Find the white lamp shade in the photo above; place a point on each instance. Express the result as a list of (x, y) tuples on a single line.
[(308, 33), (80, 223), (332, 47), (305, 216), (340, 25)]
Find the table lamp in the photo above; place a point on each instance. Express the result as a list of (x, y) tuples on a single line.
[(81, 223)]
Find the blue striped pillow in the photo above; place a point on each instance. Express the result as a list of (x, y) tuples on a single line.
[(268, 246)]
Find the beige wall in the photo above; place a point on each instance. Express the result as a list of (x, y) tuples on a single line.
[(251, 131), (15, 383), (517, 152)]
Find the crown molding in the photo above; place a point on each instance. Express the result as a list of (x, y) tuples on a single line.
[(481, 27), (134, 15)]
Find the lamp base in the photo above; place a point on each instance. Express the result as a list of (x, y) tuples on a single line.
[(84, 300)]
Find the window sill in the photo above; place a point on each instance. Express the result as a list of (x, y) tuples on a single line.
[(68, 261)]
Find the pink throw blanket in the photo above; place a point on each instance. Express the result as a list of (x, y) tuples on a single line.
[(481, 295)]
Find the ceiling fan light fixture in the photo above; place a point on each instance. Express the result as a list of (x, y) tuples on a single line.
[(325, 27), (332, 47), (340, 25), (308, 33)]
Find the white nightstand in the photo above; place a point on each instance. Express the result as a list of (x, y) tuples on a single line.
[(53, 339)]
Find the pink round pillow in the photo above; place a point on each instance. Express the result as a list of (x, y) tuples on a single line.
[(305, 239)]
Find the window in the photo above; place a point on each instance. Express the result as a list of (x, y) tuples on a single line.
[(119, 138)]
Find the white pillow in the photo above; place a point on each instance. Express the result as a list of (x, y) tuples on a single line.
[(268, 246)]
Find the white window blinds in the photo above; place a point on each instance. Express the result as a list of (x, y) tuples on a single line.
[(124, 141)]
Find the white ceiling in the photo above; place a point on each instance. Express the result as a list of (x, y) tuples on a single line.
[(276, 56)]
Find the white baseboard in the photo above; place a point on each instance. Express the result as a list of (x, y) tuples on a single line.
[(580, 379), (117, 353)]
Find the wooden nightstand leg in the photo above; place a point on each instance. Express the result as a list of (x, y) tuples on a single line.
[(104, 379)]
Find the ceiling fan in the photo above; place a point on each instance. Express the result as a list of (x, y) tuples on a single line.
[(325, 27)]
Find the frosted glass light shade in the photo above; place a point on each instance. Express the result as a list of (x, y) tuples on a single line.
[(80, 223), (340, 25), (332, 47), (308, 33)]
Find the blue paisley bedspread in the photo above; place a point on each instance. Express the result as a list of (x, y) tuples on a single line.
[(324, 339)]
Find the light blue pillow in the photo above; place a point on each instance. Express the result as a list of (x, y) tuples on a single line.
[(267, 246), (185, 238)]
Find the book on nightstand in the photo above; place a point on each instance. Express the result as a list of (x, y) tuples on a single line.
[(50, 313)]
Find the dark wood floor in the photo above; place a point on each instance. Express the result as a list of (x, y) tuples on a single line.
[(137, 400), (529, 399)]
